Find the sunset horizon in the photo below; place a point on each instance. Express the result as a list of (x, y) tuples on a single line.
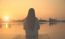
[(18, 9), (27, 19)]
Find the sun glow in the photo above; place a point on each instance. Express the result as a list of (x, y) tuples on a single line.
[(6, 18)]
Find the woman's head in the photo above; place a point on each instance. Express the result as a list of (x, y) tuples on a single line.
[(30, 20), (31, 13)]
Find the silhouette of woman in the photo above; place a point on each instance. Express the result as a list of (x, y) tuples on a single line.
[(31, 25)]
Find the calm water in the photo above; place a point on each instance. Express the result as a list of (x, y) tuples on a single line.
[(47, 31)]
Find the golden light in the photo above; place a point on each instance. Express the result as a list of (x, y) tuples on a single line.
[(6, 18), (6, 25)]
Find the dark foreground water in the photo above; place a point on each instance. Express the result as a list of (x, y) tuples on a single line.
[(47, 31)]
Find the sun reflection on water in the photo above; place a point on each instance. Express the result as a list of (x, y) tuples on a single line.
[(6, 25), (6, 20)]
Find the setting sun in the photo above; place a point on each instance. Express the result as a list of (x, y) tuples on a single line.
[(6, 18)]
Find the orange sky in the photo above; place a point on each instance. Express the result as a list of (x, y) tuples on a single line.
[(18, 9)]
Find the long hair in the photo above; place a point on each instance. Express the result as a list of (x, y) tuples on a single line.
[(31, 13), (30, 19)]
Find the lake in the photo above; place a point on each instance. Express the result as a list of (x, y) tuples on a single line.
[(47, 31)]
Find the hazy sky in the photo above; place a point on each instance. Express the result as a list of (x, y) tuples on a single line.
[(18, 9)]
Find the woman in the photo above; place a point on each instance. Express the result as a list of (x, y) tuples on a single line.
[(31, 25)]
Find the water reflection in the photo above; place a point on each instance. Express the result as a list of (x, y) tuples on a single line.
[(6, 25), (47, 31)]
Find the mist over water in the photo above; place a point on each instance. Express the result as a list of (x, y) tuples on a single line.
[(47, 31)]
